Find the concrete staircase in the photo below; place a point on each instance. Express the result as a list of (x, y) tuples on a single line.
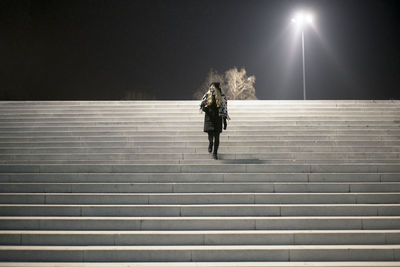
[(298, 183)]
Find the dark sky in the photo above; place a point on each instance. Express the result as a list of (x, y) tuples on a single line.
[(102, 49)]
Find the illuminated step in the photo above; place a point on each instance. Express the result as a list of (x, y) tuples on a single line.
[(202, 210), (199, 198), (203, 237), (202, 253), (297, 183), (200, 223)]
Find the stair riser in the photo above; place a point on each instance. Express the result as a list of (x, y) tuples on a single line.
[(195, 120), (207, 264), (111, 132), (218, 210), (239, 116), (202, 150), (221, 161), (204, 223), (204, 143), (214, 168), (188, 255), (162, 106), (204, 155), (198, 138), (202, 199), (199, 188), (188, 128), (233, 104), (125, 239), (197, 177), (160, 125)]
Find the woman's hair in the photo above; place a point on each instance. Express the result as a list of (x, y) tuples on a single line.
[(218, 98)]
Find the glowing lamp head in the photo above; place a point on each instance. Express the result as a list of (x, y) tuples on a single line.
[(302, 18), (309, 18)]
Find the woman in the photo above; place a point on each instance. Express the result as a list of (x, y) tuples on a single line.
[(214, 104)]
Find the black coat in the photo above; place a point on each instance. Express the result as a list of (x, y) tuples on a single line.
[(212, 120)]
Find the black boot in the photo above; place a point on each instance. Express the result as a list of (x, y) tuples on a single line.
[(215, 153)]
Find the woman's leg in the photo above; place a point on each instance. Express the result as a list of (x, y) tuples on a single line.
[(210, 141), (216, 142)]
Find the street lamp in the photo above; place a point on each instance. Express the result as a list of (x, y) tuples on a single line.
[(301, 20)]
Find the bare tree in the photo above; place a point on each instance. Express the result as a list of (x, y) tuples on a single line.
[(238, 85), (235, 84)]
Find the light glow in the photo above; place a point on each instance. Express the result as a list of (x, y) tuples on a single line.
[(309, 18), (302, 18)]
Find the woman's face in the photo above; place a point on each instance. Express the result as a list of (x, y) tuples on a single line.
[(212, 88)]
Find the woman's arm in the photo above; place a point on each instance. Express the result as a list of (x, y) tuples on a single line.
[(203, 104)]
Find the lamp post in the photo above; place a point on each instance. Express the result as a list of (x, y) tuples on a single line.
[(300, 20)]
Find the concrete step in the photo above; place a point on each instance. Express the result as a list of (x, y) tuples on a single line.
[(201, 210), (220, 237), (168, 103), (233, 104), (280, 103), (110, 132), (203, 143), (210, 160), (255, 115), (233, 125), (194, 109), (197, 177), (297, 181), (204, 264), (191, 112), (199, 138), (202, 150), (186, 103), (211, 187), (202, 253), (199, 198), (201, 156), (262, 116), (184, 128), (200, 223), (189, 103), (199, 119), (197, 168), (238, 102), (236, 112), (183, 102)]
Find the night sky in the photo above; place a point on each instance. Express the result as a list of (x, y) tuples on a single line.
[(99, 50)]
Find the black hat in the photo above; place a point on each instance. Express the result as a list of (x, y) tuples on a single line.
[(215, 84)]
